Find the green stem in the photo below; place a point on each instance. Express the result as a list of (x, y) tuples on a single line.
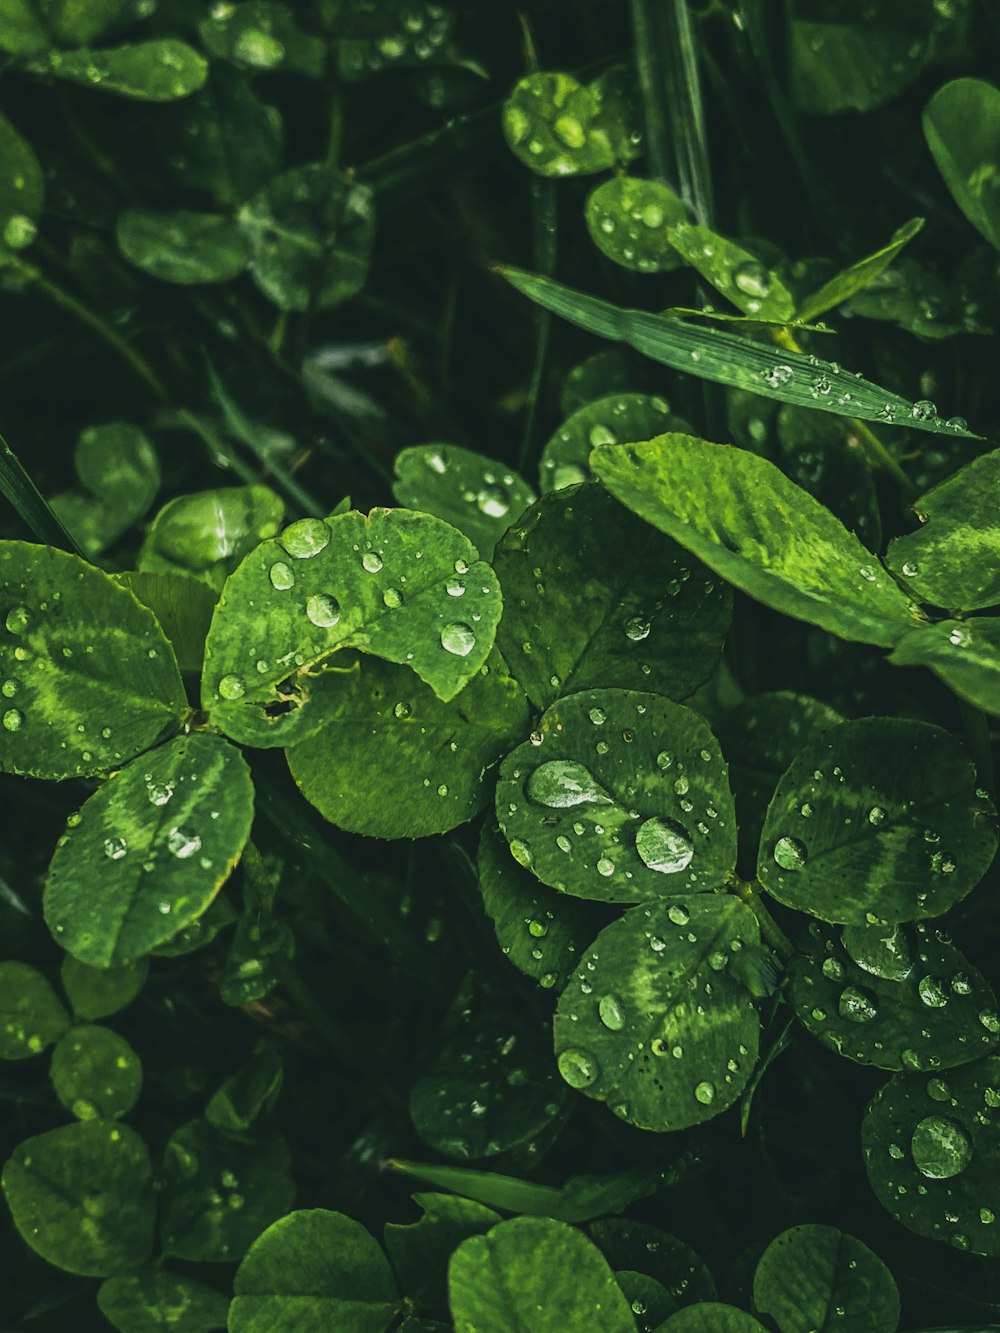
[(773, 936)]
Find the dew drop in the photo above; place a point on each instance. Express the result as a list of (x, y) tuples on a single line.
[(323, 610), (371, 561), (578, 1068), (281, 576), (790, 853), (704, 1092), (561, 783), (857, 1005), (458, 639), (932, 992), (664, 845), (18, 619), (493, 501), (940, 1147), (636, 629), (13, 719), (182, 844), (115, 848), (305, 538), (753, 279), (883, 951), (231, 687), (610, 1013)]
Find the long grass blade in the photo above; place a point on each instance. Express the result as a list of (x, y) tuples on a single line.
[(29, 502)]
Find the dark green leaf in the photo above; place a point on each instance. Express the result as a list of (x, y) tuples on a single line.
[(31, 1015), (156, 71), (629, 221), (22, 188), (248, 1094), (648, 1299), (96, 1073), (183, 605), (962, 127), (120, 474), (148, 1301), (182, 246), (639, 1247), (98, 992), (78, 22), (822, 454), (711, 1317), (420, 1250), (557, 127), (964, 653), (22, 31), (207, 533), (607, 419)]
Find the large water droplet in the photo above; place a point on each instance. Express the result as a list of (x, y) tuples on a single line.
[(752, 279), (371, 561), (13, 719), (578, 1068), (18, 619), (790, 853), (636, 629), (115, 848), (183, 844), (493, 501), (281, 576), (664, 845), (231, 687), (458, 639), (610, 1012), (323, 610), (940, 1147), (305, 538), (932, 992), (561, 783), (857, 1005), (884, 951), (704, 1092)]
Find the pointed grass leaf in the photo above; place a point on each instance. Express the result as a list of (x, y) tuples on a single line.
[(98, 992), (711, 1317), (541, 932), (474, 494), (32, 1016), (260, 36), (576, 616), (638, 1247), (314, 1269), (557, 127), (932, 1151), (962, 128), (816, 1279), (157, 71), (309, 232), (182, 246), (953, 559), (734, 272), (96, 1073), (729, 358), (166, 831), (859, 276), (607, 419), (656, 1023), (619, 796), (78, 22), (207, 533), (22, 187), (82, 1197), (629, 221), (220, 1194), (87, 677), (877, 821), (401, 586), (154, 1299), (964, 653), (537, 1273), (183, 605), (742, 516), (899, 997), (420, 1250)]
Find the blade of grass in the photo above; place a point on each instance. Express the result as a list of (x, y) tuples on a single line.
[(29, 502), (651, 65), (686, 109)]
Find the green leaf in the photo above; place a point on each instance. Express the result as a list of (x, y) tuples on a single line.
[(859, 275), (962, 128), (182, 246), (31, 1015), (380, 718), (313, 1269), (217, 917), (154, 1299), (248, 1094), (964, 653), (22, 32), (576, 616), (183, 605), (743, 517), (260, 36), (629, 221), (877, 821), (82, 1197), (208, 533), (541, 932), (820, 453), (868, 997), (420, 1250), (534, 1272), (616, 370), (22, 187), (734, 272), (711, 1317), (96, 1073), (219, 1195), (157, 71), (87, 677), (728, 358), (557, 127), (619, 796), (78, 22), (608, 419), (953, 560), (474, 494), (166, 831), (310, 233), (932, 1151), (98, 992), (404, 587), (639, 1247), (627, 1031), (386, 34), (120, 475), (648, 1299), (809, 1274)]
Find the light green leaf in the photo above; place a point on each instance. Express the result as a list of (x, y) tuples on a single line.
[(810, 1274), (120, 474), (953, 560), (629, 221), (87, 677), (638, 1247), (878, 820), (932, 1152), (98, 992), (742, 516), (82, 1197), (734, 272), (619, 796), (158, 71), (22, 188), (420, 1250), (860, 274), (96, 1073), (380, 718), (478, 496), (541, 932), (78, 22), (31, 1015), (557, 127), (207, 533), (22, 32), (310, 233), (203, 1172), (183, 605), (260, 36), (899, 997), (577, 616), (962, 128), (248, 1094), (154, 1299), (609, 419), (711, 1317), (314, 1269), (656, 1022), (534, 1272), (728, 358), (401, 586), (182, 246), (964, 653), (165, 832)]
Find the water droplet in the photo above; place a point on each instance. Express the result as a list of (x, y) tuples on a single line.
[(753, 279), (561, 783), (521, 853), (610, 1012), (790, 853), (392, 598), (493, 501), (932, 992), (678, 914), (305, 538), (456, 588), (569, 129), (940, 1147), (884, 951), (13, 719), (115, 848), (938, 1090), (458, 639), (578, 1068), (857, 1005), (605, 866), (231, 687), (636, 629), (923, 410), (18, 619), (664, 845), (371, 561), (182, 844), (323, 610), (704, 1092), (877, 816), (159, 793), (597, 716), (9, 688), (833, 968), (281, 576)]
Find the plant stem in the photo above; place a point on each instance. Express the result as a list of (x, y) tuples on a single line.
[(749, 892)]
